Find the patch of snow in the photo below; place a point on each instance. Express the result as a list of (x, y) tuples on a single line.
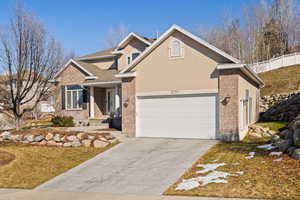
[(212, 177), (266, 146), (188, 184), (274, 153), (215, 160), (250, 155), (240, 172), (236, 163), (209, 167), (278, 160)]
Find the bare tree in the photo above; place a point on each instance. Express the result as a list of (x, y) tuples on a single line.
[(115, 35), (29, 59)]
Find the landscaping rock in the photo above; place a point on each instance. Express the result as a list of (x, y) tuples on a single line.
[(109, 137), (64, 138), (296, 154), (6, 135), (49, 136), (59, 144), (91, 137), (99, 144), (29, 138), (17, 138), (283, 145), (51, 143), (76, 143), (39, 138), (67, 144), (86, 143), (57, 138), (42, 143), (72, 138), (296, 137), (82, 136), (275, 138), (291, 150)]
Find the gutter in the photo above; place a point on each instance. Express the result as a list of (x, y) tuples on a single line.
[(126, 75)]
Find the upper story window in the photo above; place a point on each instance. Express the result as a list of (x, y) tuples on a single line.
[(132, 57), (175, 50)]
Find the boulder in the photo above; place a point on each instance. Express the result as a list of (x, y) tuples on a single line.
[(67, 144), (6, 135), (42, 143), (76, 143), (109, 137), (91, 137), (99, 144), (49, 136), (39, 138), (82, 136), (72, 138), (275, 138), (296, 137), (17, 138), (296, 154), (64, 138), (29, 138), (57, 138), (291, 150), (86, 142), (283, 145)]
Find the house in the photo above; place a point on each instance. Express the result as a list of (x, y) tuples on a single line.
[(177, 86)]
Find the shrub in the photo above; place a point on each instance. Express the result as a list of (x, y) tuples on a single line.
[(63, 121)]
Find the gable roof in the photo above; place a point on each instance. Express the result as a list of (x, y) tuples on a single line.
[(183, 31), (76, 64), (132, 35), (106, 53)]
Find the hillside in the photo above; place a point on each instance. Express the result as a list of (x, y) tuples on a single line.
[(283, 80)]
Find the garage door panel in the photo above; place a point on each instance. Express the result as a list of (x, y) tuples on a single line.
[(177, 116)]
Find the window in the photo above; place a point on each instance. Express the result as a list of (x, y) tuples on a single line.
[(132, 57), (74, 96), (175, 49)]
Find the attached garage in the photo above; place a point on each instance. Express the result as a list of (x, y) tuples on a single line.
[(177, 116)]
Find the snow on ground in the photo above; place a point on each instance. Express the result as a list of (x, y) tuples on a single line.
[(266, 146), (278, 160), (209, 167), (250, 155), (274, 153), (213, 176)]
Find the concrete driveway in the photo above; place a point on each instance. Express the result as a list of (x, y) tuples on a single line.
[(137, 166)]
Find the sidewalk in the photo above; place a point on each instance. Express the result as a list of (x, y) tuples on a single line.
[(54, 195)]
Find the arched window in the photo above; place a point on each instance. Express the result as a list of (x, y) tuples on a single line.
[(175, 48)]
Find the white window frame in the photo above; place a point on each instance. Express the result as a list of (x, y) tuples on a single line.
[(66, 98), (181, 52), (130, 56)]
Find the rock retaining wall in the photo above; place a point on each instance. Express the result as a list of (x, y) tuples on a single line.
[(80, 139), (280, 107)]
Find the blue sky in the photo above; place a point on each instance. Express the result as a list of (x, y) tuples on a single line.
[(82, 24)]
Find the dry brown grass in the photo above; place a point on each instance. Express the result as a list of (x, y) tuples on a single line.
[(34, 165), (6, 158), (263, 177), (283, 80)]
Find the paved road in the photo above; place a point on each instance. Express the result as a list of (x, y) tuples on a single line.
[(137, 166)]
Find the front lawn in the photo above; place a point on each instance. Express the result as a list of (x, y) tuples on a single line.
[(33, 165), (261, 176)]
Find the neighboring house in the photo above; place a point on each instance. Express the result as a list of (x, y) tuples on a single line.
[(40, 108), (177, 86)]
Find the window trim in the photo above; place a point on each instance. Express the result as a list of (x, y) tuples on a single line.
[(180, 48), (78, 96), (130, 56)]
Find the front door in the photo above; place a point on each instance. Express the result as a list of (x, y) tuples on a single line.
[(110, 101)]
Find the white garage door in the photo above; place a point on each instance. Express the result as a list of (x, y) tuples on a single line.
[(178, 116)]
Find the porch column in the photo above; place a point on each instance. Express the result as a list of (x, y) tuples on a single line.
[(117, 99), (92, 102)]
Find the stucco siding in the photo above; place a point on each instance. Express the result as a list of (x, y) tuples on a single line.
[(196, 70), (134, 45)]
